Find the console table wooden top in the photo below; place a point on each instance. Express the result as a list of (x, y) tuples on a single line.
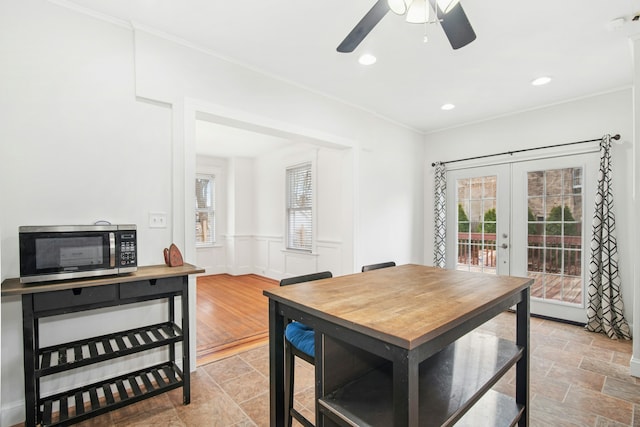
[(406, 305), (14, 287)]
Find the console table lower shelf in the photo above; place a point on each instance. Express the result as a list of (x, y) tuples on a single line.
[(454, 388), (95, 399)]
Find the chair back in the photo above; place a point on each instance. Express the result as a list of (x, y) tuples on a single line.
[(377, 266), (306, 278)]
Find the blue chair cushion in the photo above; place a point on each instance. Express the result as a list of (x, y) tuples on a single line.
[(302, 337)]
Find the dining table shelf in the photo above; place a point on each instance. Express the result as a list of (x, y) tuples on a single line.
[(451, 382)]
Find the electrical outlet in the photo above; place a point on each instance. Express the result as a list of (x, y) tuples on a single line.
[(157, 220)]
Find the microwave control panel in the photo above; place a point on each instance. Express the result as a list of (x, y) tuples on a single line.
[(128, 249)]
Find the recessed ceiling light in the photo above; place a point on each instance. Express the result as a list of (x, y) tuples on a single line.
[(367, 59), (448, 107), (541, 81)]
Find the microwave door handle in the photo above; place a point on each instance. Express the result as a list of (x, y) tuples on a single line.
[(112, 250)]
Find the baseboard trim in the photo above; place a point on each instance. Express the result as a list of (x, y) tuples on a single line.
[(12, 414)]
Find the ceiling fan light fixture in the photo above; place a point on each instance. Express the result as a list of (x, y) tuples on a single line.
[(541, 81), (418, 12), (446, 5), (398, 7)]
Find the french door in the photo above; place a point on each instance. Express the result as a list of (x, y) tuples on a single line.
[(528, 219), (478, 224)]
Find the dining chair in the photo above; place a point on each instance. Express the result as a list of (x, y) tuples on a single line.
[(377, 266), (299, 341)]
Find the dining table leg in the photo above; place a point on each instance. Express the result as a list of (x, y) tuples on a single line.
[(522, 366), (405, 391)]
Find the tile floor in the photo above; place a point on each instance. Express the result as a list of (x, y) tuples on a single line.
[(577, 379)]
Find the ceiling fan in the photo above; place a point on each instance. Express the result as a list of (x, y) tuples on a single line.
[(449, 14)]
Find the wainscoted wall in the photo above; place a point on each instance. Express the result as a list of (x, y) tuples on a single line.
[(266, 256)]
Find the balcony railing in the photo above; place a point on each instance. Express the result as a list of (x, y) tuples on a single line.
[(477, 249)]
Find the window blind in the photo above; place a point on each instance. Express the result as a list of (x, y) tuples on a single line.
[(299, 208)]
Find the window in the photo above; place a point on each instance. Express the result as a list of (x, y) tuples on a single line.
[(205, 210), (554, 244), (577, 180), (299, 208)]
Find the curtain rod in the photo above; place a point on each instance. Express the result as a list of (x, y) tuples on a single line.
[(616, 137)]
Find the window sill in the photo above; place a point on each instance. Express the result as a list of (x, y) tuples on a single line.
[(298, 252), (209, 246)]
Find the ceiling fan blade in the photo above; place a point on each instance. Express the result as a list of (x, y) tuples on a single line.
[(456, 26), (366, 24)]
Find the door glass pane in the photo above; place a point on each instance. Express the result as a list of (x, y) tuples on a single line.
[(476, 200), (554, 230)]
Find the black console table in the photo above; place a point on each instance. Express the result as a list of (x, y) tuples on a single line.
[(61, 297)]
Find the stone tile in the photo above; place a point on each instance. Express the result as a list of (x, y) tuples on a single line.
[(577, 376), (260, 364), (589, 351), (621, 358), (599, 404), (261, 352), (612, 370), (219, 411), (160, 403), (573, 333), (547, 340), (304, 377), (547, 412), (603, 341), (227, 369), (203, 388), (539, 366), (166, 417), (603, 422), (557, 355), (622, 390), (101, 421), (246, 386), (306, 399), (258, 409), (548, 387)]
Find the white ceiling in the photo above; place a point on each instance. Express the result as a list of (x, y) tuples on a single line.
[(517, 41), (217, 140)]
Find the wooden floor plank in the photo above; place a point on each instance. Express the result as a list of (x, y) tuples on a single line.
[(231, 312)]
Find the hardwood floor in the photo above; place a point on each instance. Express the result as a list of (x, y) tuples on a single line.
[(231, 315)]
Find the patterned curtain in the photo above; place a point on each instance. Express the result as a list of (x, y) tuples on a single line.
[(439, 213), (605, 308)]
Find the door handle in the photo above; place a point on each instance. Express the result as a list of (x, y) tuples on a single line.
[(504, 246)]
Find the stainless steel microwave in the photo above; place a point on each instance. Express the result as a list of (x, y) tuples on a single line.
[(62, 252)]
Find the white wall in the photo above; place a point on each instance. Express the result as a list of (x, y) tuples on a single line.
[(579, 120), (77, 146)]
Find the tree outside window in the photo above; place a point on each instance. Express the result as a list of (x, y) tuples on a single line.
[(205, 210)]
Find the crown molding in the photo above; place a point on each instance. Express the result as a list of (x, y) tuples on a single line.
[(92, 13)]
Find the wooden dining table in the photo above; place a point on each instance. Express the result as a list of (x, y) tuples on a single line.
[(397, 347)]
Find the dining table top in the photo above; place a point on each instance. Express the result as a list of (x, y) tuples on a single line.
[(406, 305)]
